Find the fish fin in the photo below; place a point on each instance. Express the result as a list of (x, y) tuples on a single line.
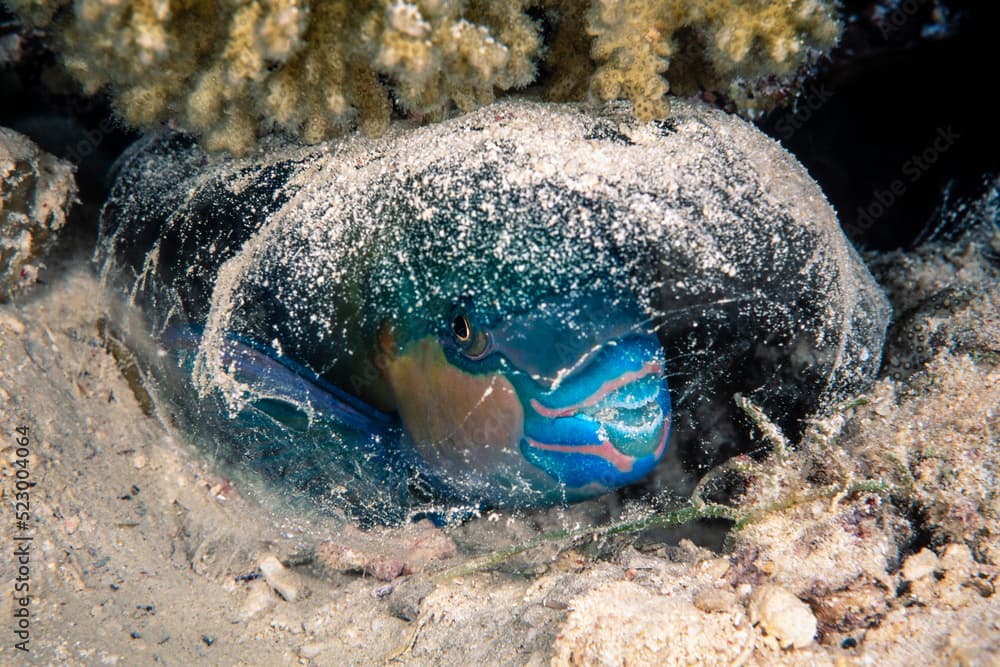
[(297, 429), (286, 390)]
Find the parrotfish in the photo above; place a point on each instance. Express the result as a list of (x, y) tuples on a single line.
[(480, 313)]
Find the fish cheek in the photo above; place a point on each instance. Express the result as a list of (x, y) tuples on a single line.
[(460, 423)]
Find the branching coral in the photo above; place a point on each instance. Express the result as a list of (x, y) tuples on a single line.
[(437, 56), (230, 69), (717, 43)]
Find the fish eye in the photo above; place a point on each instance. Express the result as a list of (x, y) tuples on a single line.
[(460, 327), (474, 342), (478, 346)]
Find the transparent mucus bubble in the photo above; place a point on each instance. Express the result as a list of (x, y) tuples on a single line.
[(508, 309)]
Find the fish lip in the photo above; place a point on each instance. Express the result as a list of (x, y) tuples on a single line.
[(607, 450), (624, 421), (592, 403)]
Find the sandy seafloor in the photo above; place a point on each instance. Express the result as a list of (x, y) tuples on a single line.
[(879, 531)]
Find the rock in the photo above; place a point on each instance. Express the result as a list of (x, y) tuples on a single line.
[(393, 552), (919, 565), (11, 48), (954, 589), (957, 559), (625, 624), (862, 605), (406, 599), (945, 294), (783, 616), (284, 582), (715, 599), (846, 543), (259, 598), (36, 193), (11, 323)]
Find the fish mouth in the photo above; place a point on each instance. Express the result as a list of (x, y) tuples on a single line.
[(608, 422)]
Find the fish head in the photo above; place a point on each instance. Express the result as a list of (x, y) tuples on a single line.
[(557, 402), (517, 339)]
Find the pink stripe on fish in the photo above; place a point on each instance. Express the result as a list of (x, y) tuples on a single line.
[(607, 451), (663, 439), (648, 368)]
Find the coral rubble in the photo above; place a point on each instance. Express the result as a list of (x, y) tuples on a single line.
[(231, 70), (926, 436)]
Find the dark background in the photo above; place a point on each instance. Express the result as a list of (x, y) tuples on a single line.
[(897, 80), (906, 73)]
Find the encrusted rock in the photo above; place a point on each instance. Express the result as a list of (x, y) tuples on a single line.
[(625, 624), (861, 605), (391, 554), (715, 599), (957, 559), (36, 193)]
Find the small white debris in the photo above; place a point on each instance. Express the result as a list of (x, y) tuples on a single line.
[(921, 564), (259, 599), (281, 579), (715, 599), (783, 616)]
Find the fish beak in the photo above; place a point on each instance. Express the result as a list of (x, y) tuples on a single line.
[(573, 410), (606, 422)]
